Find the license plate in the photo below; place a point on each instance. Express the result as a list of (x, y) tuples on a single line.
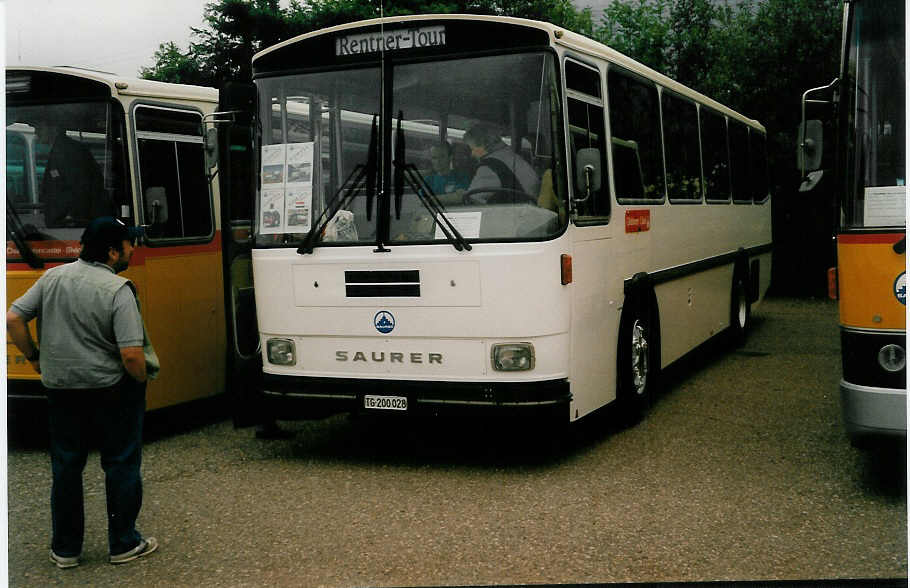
[(385, 402)]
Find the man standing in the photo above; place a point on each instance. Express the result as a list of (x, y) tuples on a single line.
[(94, 363)]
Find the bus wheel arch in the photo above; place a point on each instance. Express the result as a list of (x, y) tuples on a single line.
[(638, 349)]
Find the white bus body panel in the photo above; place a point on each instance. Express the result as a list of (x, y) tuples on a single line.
[(468, 301)]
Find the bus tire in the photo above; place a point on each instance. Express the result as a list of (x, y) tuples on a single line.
[(740, 307), (638, 361)]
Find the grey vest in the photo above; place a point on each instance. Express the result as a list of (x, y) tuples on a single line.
[(75, 328)]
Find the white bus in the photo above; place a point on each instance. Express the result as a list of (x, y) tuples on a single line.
[(627, 221)]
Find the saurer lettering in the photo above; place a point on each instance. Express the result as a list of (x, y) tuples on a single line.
[(390, 357)]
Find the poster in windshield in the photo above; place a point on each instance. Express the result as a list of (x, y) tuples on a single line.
[(286, 190)]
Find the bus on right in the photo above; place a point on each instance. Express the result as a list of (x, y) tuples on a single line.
[(865, 110)]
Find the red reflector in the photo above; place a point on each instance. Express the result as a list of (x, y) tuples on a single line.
[(565, 262), (832, 283)]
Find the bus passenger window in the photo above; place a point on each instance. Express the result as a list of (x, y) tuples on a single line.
[(680, 120), (586, 131), (739, 162), (716, 160), (173, 183), (635, 128)]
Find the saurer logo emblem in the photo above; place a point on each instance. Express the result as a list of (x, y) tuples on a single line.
[(384, 321)]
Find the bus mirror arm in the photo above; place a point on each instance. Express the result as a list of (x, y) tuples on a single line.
[(589, 171), (811, 132)]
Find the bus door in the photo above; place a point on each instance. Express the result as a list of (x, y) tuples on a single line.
[(234, 156)]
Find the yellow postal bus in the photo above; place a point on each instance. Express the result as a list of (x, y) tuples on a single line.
[(81, 144), (866, 106)]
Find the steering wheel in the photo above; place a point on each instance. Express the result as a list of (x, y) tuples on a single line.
[(498, 196)]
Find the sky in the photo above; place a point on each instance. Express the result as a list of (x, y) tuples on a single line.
[(117, 36)]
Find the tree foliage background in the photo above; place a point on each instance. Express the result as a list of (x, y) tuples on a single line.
[(756, 56)]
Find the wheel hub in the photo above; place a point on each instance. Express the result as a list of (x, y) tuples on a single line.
[(639, 357)]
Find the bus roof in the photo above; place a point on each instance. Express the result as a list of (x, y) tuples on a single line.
[(558, 36), (127, 86)]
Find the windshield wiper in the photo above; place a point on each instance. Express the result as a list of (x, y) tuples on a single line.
[(17, 232), (346, 192), (408, 172)]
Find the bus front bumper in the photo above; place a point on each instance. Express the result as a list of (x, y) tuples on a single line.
[(292, 397), (870, 411)]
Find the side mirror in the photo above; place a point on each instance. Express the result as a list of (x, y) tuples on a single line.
[(211, 148), (156, 205), (809, 146), (588, 171)]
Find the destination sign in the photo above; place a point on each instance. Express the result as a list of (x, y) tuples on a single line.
[(395, 40)]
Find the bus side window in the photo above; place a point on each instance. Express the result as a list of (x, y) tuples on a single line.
[(177, 203), (587, 131), (716, 159), (635, 128), (680, 118), (739, 162)]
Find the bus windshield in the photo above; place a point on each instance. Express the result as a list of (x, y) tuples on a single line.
[(876, 190), (471, 140), (64, 166)]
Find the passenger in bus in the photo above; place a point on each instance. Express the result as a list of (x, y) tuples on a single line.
[(95, 363), (499, 167), (462, 162), (444, 179), (72, 187)]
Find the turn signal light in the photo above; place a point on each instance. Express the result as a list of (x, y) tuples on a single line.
[(565, 263)]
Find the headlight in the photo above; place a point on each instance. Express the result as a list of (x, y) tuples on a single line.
[(892, 358), (281, 352), (513, 357)]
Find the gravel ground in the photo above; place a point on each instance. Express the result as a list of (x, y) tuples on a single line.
[(740, 471)]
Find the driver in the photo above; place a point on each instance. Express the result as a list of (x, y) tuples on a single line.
[(499, 167), (72, 181)]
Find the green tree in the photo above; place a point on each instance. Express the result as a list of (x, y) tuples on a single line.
[(757, 57), (172, 65), (639, 29), (235, 30)]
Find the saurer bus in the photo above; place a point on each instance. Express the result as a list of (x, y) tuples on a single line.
[(627, 221)]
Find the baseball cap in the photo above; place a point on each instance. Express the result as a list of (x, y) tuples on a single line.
[(107, 230)]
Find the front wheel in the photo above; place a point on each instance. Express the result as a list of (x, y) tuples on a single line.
[(637, 365)]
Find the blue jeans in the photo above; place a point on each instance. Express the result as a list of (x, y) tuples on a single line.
[(114, 417)]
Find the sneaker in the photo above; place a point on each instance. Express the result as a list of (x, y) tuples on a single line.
[(145, 547), (64, 562)]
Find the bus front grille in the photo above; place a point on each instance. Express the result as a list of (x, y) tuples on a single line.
[(382, 284)]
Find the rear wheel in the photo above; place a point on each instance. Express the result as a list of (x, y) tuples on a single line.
[(740, 309)]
